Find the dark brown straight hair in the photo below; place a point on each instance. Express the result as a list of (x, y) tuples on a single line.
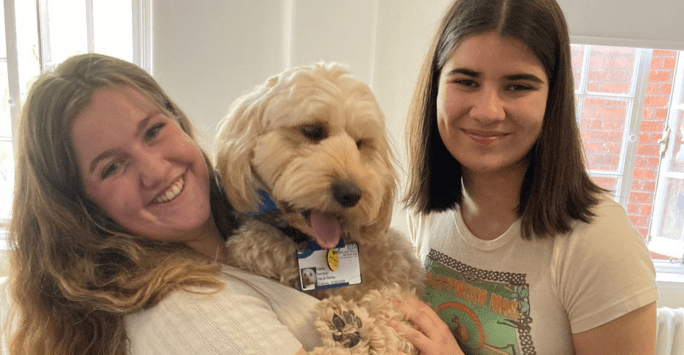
[(557, 188)]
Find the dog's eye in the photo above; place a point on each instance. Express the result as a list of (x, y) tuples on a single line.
[(359, 143), (315, 132)]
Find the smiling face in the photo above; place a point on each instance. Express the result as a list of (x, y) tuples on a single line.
[(141, 168), (491, 104)]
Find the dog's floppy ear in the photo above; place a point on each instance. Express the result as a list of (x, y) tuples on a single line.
[(380, 226), (234, 146)]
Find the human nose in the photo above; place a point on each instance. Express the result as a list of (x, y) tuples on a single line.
[(488, 107), (152, 168)]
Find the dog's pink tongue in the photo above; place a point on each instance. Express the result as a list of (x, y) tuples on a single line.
[(326, 230)]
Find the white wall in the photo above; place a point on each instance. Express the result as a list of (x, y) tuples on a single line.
[(206, 53), (633, 23)]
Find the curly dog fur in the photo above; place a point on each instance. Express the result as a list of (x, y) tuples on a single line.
[(314, 139)]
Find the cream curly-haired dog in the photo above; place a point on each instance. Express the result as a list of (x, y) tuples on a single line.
[(314, 140)]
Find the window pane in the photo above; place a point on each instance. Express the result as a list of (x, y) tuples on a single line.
[(672, 220), (677, 161), (577, 63), (3, 39), (6, 155), (6, 179), (665, 80), (5, 120), (68, 29), (602, 124), (27, 43), (113, 27), (611, 70)]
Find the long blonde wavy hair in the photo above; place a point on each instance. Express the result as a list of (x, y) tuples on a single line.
[(74, 273)]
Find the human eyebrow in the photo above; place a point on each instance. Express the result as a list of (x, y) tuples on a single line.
[(143, 123), (102, 156), (524, 77), (463, 71), (512, 77)]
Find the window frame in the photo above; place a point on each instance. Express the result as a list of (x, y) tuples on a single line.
[(669, 272), (635, 98), (142, 56), (666, 143)]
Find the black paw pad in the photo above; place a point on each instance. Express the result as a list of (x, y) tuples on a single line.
[(338, 322), (346, 329)]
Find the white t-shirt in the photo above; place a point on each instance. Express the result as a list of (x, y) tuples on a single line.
[(251, 315), (514, 296)]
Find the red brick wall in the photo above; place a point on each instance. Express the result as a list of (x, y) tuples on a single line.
[(655, 112), (602, 121)]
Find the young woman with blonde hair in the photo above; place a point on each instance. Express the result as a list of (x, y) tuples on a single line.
[(118, 228)]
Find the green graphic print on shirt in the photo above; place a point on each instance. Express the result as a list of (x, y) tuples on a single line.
[(487, 311)]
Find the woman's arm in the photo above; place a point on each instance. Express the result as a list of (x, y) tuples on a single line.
[(632, 333), (249, 315)]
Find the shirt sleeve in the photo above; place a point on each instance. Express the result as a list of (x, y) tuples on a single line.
[(417, 234), (603, 269), (411, 221), (236, 320)]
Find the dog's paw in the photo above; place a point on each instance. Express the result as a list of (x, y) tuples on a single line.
[(347, 326)]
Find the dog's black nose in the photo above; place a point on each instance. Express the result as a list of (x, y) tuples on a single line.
[(346, 193)]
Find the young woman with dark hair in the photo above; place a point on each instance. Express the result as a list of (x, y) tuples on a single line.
[(524, 253)]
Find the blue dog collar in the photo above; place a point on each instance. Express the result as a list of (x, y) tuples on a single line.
[(266, 204)]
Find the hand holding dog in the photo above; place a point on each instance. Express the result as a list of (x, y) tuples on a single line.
[(431, 335)]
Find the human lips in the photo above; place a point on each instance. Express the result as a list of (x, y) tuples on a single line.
[(171, 193), (484, 137)]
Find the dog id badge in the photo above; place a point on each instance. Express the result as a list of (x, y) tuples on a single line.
[(327, 268)]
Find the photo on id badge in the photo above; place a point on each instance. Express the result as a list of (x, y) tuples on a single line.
[(308, 278)]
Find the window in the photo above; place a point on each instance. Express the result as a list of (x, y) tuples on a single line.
[(630, 110), (40, 35), (667, 226)]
